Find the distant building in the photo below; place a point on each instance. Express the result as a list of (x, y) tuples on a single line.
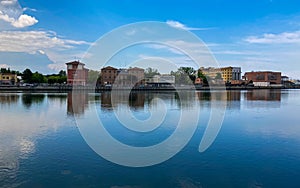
[(161, 80), (129, 77), (210, 72), (108, 75), (8, 79), (76, 73), (228, 74), (138, 73), (263, 78)]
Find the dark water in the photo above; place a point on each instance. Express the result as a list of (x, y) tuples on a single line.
[(257, 146)]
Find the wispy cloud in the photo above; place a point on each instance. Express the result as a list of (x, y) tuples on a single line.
[(179, 25), (31, 41), (281, 38), (47, 43)]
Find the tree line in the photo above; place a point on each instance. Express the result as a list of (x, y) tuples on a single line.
[(36, 78)]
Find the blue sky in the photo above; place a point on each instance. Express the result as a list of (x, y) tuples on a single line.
[(256, 35)]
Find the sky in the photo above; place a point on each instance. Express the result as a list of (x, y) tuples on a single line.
[(255, 35)]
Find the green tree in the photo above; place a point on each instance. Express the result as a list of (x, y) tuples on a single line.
[(203, 77), (93, 76), (150, 72), (26, 75), (62, 73), (218, 76), (38, 78)]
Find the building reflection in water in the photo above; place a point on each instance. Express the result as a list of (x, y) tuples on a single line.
[(232, 98), (136, 100), (140, 100), (77, 102), (8, 98), (263, 95)]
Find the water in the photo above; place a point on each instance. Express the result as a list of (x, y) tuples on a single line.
[(258, 144)]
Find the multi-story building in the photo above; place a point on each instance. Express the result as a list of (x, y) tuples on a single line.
[(77, 74), (8, 79), (263, 78), (228, 74), (108, 75), (231, 73), (122, 77), (137, 73), (211, 72), (161, 80)]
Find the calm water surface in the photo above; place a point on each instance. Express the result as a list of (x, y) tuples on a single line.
[(257, 146)]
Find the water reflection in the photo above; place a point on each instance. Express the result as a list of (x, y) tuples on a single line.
[(21, 125), (77, 102), (263, 95), (262, 131), (9, 98), (139, 100), (29, 99)]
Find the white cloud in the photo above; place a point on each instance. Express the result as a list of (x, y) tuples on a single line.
[(32, 41), (57, 49), (12, 13), (179, 25), (281, 38), (24, 21)]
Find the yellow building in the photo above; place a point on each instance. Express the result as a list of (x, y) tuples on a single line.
[(8, 79), (227, 73)]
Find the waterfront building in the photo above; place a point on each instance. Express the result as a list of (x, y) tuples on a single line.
[(161, 80), (228, 74), (8, 79), (263, 78), (108, 75), (231, 73), (122, 77), (77, 74), (210, 72), (138, 74)]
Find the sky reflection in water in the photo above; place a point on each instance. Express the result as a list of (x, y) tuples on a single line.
[(257, 146)]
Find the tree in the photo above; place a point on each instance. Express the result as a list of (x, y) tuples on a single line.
[(26, 76), (38, 78), (4, 70), (93, 76), (203, 77), (62, 73), (184, 75), (150, 72), (218, 76)]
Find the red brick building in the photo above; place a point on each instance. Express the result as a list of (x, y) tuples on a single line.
[(77, 74), (263, 76), (108, 75)]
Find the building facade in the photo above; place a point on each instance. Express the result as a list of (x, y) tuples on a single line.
[(228, 74), (77, 74), (231, 73), (266, 77), (8, 79), (108, 75), (137, 73)]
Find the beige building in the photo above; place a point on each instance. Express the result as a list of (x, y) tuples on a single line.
[(138, 73), (8, 79)]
